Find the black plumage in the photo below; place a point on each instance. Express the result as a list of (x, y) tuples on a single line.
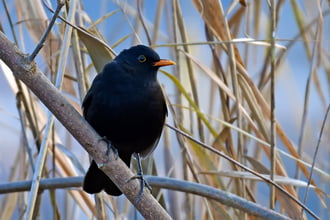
[(125, 104)]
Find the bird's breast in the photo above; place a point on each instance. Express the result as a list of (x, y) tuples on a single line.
[(130, 116)]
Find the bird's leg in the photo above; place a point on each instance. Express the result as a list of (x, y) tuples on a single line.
[(110, 146), (139, 175)]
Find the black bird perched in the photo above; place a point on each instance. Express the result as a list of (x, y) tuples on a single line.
[(125, 104)]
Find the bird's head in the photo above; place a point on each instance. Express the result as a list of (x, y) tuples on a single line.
[(142, 59)]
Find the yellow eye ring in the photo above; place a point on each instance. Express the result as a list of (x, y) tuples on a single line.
[(142, 58)]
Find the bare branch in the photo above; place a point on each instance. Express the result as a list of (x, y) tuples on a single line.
[(51, 97), (223, 197), (49, 28)]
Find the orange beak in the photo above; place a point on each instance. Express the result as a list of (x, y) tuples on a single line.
[(164, 63)]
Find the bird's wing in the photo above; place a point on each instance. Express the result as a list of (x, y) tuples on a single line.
[(151, 148), (89, 96)]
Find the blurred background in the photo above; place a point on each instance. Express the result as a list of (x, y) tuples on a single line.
[(202, 90)]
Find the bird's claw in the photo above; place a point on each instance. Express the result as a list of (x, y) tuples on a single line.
[(143, 183), (139, 175), (110, 146)]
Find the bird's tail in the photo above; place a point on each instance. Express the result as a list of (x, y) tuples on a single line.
[(95, 181)]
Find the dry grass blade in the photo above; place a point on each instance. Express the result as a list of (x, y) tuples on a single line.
[(121, 40), (9, 205), (100, 20), (191, 102), (213, 16), (221, 85), (98, 53)]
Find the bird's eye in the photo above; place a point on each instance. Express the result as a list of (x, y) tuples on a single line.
[(142, 58)]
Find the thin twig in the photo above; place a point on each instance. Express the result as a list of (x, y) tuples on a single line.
[(51, 183), (206, 191), (10, 21), (80, 29), (45, 34), (312, 72), (272, 105), (209, 192), (315, 154), (23, 124)]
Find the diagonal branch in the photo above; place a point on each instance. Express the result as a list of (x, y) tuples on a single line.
[(51, 97)]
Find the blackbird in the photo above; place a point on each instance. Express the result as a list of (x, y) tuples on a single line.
[(126, 106)]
